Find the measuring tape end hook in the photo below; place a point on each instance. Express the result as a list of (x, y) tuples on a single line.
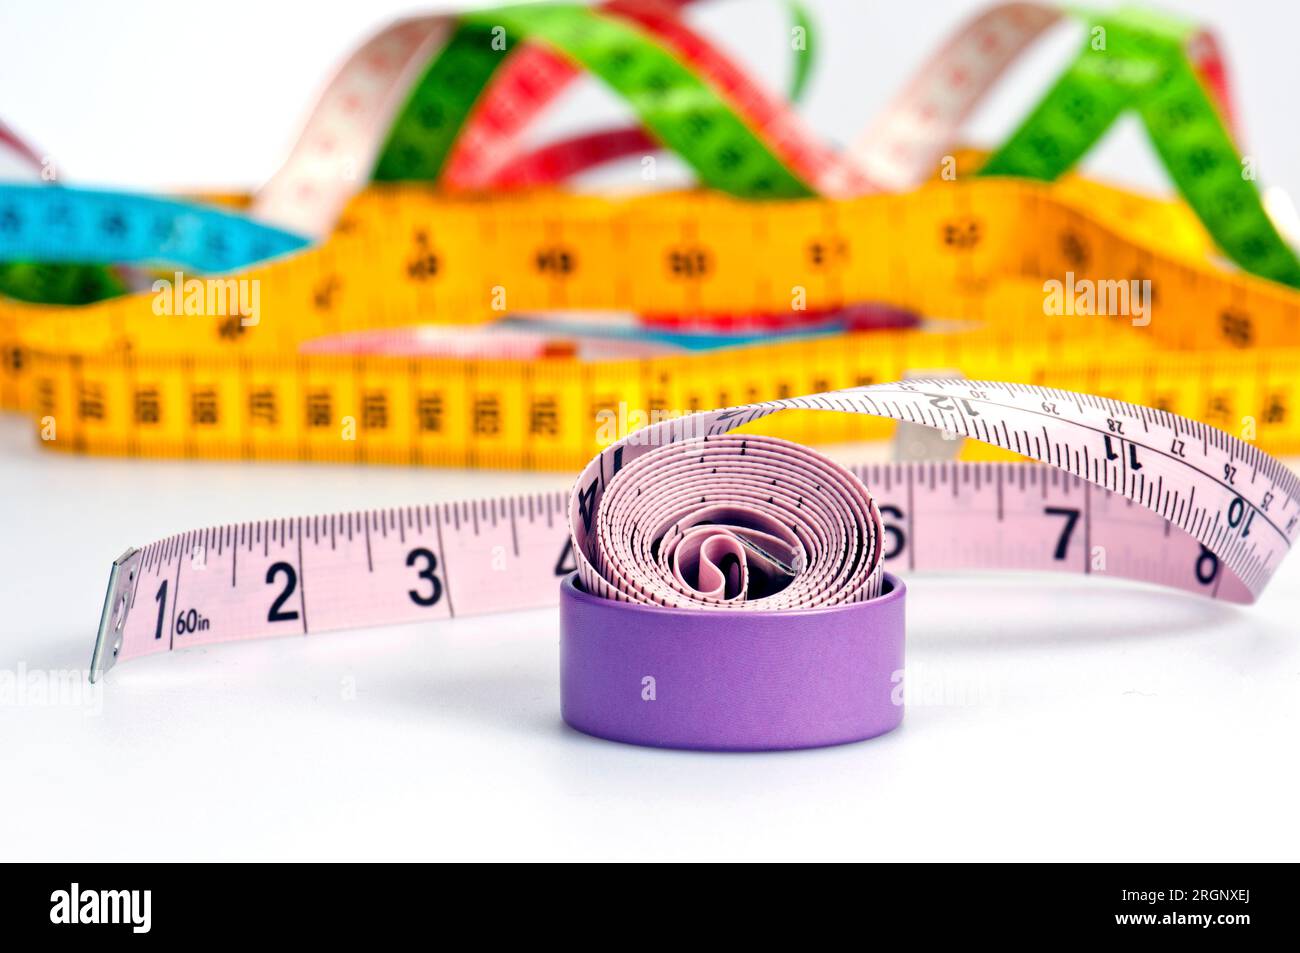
[(112, 620)]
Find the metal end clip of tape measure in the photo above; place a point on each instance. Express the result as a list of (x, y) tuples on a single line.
[(727, 591)]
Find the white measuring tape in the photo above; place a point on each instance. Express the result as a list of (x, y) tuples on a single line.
[(729, 591)]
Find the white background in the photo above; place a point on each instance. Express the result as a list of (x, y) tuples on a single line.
[(1093, 721)]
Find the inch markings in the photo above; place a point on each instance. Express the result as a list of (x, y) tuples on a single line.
[(362, 569), (1072, 432)]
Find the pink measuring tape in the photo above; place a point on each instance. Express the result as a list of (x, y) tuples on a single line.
[(726, 591)]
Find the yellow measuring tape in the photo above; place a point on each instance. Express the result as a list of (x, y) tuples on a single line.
[(982, 257)]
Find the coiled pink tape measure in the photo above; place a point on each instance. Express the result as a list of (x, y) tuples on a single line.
[(725, 591)]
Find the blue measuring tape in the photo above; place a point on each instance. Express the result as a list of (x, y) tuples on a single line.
[(42, 223)]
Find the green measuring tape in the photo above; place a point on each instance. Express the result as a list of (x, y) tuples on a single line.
[(58, 283), (1135, 61), (669, 99)]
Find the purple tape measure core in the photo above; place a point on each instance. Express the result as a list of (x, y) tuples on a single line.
[(724, 680)]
